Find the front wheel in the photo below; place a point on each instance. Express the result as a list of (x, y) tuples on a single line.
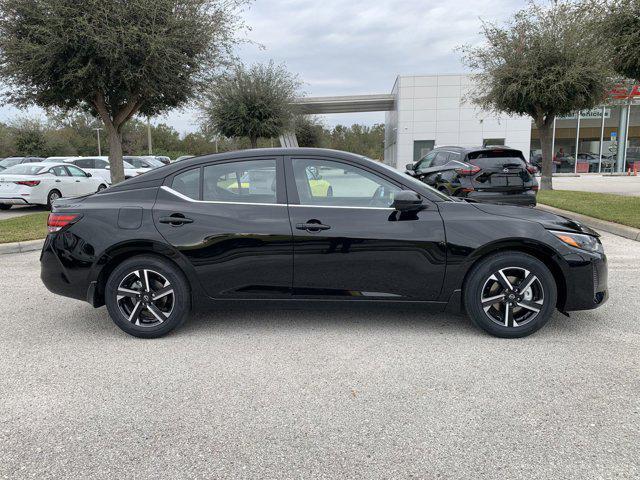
[(4, 206), (102, 187), (147, 296), (510, 294)]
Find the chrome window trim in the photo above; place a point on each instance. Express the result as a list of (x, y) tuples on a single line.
[(193, 200), (189, 199), (340, 206)]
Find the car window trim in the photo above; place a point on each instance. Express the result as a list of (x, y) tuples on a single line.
[(193, 200)]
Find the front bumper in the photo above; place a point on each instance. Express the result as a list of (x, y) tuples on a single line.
[(587, 281), (522, 198)]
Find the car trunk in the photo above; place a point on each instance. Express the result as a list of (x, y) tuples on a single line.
[(8, 183), (500, 170)]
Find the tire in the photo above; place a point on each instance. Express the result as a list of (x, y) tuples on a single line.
[(330, 192), (101, 187), (154, 318), (4, 206), (52, 197), (513, 313)]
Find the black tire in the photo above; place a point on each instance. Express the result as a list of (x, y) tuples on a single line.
[(101, 187), (174, 310), (4, 206), (510, 317), (52, 196)]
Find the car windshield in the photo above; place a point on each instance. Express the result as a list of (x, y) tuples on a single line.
[(414, 181), (10, 162), (24, 169)]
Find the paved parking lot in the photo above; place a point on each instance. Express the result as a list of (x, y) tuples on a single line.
[(317, 391)]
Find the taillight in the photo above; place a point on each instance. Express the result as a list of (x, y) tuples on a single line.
[(28, 183), (468, 171), (58, 220), (531, 169), (535, 188)]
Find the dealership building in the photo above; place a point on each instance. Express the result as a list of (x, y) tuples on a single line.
[(427, 111)]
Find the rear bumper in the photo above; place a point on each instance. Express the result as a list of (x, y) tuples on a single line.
[(526, 198), (13, 201)]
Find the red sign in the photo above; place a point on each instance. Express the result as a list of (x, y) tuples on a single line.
[(620, 92)]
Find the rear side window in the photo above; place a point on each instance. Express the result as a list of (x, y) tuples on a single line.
[(441, 159), (252, 181), (188, 183)]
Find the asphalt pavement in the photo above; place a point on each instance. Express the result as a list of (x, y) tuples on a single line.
[(308, 391)]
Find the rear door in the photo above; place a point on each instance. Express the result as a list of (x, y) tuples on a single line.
[(229, 219), (500, 170), (349, 243), (63, 181)]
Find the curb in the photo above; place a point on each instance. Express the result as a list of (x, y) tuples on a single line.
[(597, 224), (21, 247)]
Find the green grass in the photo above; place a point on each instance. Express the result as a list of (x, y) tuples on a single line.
[(20, 229), (605, 206)]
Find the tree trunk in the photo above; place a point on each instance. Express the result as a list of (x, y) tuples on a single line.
[(254, 142), (545, 130), (115, 155)]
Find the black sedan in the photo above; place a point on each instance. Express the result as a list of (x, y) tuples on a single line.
[(486, 174), (258, 225)]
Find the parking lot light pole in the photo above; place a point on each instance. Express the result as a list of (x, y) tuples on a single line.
[(99, 146), (149, 136)]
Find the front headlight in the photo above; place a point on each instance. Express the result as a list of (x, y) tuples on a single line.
[(579, 240)]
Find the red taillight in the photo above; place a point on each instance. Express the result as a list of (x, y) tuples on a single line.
[(58, 220), (531, 169), (468, 171), (28, 183), (535, 188)]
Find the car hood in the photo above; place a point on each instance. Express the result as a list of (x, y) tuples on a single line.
[(546, 219)]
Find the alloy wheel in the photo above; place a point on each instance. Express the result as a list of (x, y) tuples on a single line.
[(145, 297), (512, 297)]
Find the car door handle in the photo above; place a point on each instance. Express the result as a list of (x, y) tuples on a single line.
[(312, 226), (77, 181), (58, 181), (175, 220)]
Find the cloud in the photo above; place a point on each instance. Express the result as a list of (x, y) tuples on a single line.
[(341, 47)]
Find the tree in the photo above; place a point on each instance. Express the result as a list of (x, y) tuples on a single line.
[(251, 102), (546, 62), (113, 58), (309, 131), (621, 28)]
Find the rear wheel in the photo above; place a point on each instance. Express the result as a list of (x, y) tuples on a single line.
[(4, 206), (52, 197), (102, 187), (510, 294), (147, 296)]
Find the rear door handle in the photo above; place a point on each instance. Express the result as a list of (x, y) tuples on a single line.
[(175, 220), (312, 227)]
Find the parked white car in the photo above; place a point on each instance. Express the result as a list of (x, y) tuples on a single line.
[(44, 183), (99, 167)]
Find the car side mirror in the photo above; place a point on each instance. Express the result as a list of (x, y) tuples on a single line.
[(88, 174), (407, 201)]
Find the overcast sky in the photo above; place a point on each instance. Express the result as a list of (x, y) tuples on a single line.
[(341, 47)]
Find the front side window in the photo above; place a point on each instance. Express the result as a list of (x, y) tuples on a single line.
[(75, 171), (84, 163), (441, 159), (251, 181), (330, 183), (101, 164), (426, 161)]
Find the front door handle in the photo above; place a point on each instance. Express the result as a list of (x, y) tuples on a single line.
[(312, 226), (175, 220)]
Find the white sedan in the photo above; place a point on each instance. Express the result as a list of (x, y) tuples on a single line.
[(44, 183), (99, 167)]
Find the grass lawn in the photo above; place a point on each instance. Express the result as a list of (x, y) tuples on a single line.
[(20, 229), (605, 206)]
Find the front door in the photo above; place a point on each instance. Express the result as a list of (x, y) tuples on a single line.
[(229, 219), (349, 243), (63, 182)]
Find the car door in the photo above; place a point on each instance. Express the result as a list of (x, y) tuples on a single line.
[(433, 174), (83, 184), (63, 181), (351, 244), (229, 219)]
